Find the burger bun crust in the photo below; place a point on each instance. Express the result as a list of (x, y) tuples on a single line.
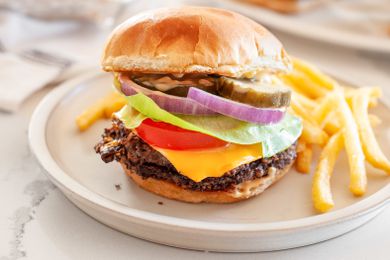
[(193, 40)]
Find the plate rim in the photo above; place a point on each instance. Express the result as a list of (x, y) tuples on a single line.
[(39, 147), (313, 32)]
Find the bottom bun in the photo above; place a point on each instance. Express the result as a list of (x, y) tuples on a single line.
[(239, 192)]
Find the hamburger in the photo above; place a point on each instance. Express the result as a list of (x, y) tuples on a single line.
[(206, 118)]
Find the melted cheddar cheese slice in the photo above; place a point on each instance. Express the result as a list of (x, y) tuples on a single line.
[(198, 165)]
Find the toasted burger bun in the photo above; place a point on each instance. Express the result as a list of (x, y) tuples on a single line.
[(240, 192), (193, 40)]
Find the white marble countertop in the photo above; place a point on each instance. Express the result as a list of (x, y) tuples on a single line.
[(38, 222)]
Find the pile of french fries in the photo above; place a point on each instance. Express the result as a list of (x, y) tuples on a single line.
[(334, 117)]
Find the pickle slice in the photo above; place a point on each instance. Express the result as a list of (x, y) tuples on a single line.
[(254, 93)]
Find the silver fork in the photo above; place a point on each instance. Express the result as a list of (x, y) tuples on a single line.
[(42, 57), (46, 58)]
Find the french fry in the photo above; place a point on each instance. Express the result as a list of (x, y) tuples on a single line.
[(358, 177), (115, 104), (304, 157), (103, 108), (306, 102), (331, 124), (301, 145), (326, 114), (321, 191), (298, 94), (306, 85), (90, 115), (314, 74), (313, 134), (326, 107), (374, 92), (301, 111), (374, 120), (372, 151), (287, 81)]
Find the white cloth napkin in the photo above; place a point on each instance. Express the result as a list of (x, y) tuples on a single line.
[(19, 78)]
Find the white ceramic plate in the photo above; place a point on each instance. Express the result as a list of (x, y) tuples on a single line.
[(323, 24), (280, 218)]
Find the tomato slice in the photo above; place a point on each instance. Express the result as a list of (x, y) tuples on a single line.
[(164, 135)]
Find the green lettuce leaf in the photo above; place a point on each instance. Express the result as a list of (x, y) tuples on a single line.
[(274, 138)]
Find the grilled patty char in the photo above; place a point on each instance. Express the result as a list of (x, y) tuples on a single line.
[(121, 144)]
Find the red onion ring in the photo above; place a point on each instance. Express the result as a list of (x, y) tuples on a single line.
[(235, 109)]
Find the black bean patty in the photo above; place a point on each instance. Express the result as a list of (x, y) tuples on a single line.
[(121, 144)]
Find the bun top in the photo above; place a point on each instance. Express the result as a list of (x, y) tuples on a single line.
[(193, 40)]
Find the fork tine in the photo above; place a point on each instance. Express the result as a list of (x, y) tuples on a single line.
[(50, 57), (2, 47), (27, 55), (45, 58)]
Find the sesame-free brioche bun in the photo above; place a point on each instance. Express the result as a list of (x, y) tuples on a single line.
[(240, 192), (193, 40)]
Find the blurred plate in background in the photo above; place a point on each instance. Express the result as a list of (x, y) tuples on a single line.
[(332, 23)]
